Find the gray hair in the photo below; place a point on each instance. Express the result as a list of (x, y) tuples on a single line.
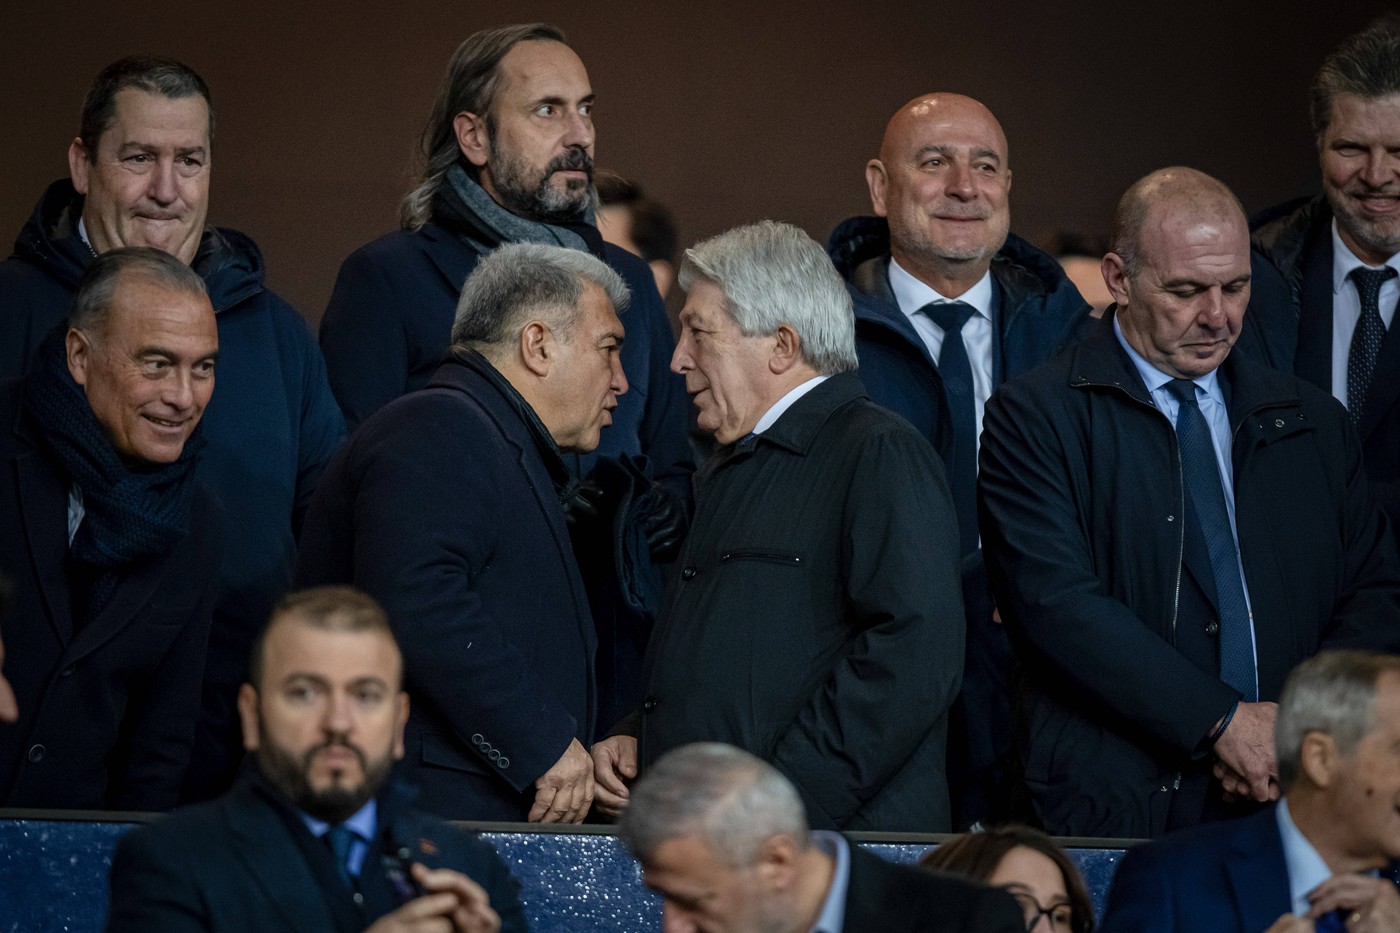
[(93, 302), (772, 274), (1366, 65), (1184, 188), (520, 282), (1333, 693), (471, 84), (730, 799), (164, 77)]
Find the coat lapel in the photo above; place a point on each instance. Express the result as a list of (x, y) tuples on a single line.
[(1257, 872), (135, 591), (43, 503), (259, 840), (1385, 383), (1313, 361)]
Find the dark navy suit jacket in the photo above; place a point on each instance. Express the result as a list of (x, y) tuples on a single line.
[(1221, 877)]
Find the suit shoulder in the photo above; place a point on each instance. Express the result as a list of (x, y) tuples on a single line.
[(176, 835), (396, 247)]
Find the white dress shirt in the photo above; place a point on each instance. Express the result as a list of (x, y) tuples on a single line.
[(1346, 306)]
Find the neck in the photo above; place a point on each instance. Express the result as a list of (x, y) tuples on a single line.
[(1317, 819), (815, 873), (1368, 255), (950, 278)]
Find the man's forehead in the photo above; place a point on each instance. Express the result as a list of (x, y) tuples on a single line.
[(541, 68), (136, 111), (297, 648), (945, 121)]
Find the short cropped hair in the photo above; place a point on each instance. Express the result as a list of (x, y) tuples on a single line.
[(1366, 65), (164, 77), (773, 274), (330, 609), (92, 304), (520, 282), (976, 855), (1333, 693), (730, 799), (653, 227), (471, 84)]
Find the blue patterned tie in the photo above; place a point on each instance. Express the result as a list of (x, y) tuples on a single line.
[(956, 372), (340, 839), (1366, 340), (1202, 476)]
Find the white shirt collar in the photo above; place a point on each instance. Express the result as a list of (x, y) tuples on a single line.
[(912, 294), (786, 402), (1344, 260), (832, 919), (1154, 378)]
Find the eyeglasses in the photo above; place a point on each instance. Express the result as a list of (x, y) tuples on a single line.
[(1061, 916)]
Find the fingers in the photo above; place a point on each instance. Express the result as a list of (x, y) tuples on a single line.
[(473, 913), (608, 805), (1347, 892), (9, 709), (544, 802)]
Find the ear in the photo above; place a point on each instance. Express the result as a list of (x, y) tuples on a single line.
[(248, 717), (78, 165), (775, 866), (537, 348), (787, 350), (1116, 278), (1008, 181), (400, 720), (79, 350), (875, 179), (472, 137), (1318, 759)]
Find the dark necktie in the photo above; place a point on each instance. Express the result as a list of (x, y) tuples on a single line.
[(956, 371), (1334, 921), (1202, 478), (1366, 340), (340, 839)]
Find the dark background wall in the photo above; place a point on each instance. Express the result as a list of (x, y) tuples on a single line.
[(729, 111)]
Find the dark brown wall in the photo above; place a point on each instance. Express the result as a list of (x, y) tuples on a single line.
[(729, 111)]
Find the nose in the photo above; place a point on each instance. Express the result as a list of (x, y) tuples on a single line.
[(1212, 310), (179, 389), (579, 131), (675, 921), (338, 719), (960, 181), (164, 188), (681, 363), (619, 378), (1376, 170)]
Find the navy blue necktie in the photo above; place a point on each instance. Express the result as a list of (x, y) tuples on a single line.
[(956, 371), (1366, 340), (1334, 921), (340, 839), (1202, 478)]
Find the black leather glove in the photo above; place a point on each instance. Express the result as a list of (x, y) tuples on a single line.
[(665, 524), (582, 501)]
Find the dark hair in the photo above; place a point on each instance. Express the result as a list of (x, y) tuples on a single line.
[(653, 228), (470, 85), (977, 855), (93, 301), (329, 608), (165, 77), (1366, 65)]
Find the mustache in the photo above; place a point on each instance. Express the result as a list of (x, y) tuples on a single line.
[(335, 741), (575, 160), (1363, 189)]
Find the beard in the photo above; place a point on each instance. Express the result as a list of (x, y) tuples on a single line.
[(333, 804), (534, 197), (1380, 236)]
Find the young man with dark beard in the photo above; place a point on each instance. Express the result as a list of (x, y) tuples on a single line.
[(314, 838)]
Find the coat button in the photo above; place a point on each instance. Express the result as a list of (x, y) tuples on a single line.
[(688, 573), (503, 762), (67, 671), (494, 755), (36, 753), (1212, 628), (359, 899), (648, 704), (477, 740)]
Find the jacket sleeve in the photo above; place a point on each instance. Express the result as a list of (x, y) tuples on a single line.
[(163, 712), (152, 890), (1367, 614), (364, 340), (1034, 495), (421, 542), (899, 558)]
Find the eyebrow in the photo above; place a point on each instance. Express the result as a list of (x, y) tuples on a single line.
[(952, 150), (170, 354), (561, 101)]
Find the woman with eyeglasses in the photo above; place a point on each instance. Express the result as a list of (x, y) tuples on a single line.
[(1030, 866)]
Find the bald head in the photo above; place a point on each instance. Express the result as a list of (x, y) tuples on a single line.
[(1179, 270), (1169, 195), (943, 181)]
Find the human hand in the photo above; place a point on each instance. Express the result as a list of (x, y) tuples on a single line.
[(9, 709), (1371, 905), (1247, 766), (614, 768), (564, 792), (665, 525), (452, 903), (583, 503)]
